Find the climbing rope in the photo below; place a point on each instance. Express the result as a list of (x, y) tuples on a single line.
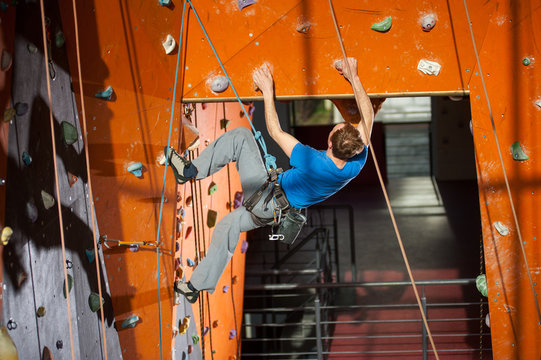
[(508, 187), (58, 202), (270, 161), (89, 182), (383, 187), (163, 186)]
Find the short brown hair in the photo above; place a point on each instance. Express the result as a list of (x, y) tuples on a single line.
[(346, 142)]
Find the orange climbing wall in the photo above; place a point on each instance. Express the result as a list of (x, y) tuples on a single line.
[(122, 47)]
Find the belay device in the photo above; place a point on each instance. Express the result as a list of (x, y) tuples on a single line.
[(288, 221)]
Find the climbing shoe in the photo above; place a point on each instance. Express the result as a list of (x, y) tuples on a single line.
[(188, 291), (183, 169)]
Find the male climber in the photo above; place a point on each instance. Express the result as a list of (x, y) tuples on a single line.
[(313, 177)]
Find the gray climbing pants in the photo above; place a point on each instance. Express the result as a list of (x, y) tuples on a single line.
[(238, 146)]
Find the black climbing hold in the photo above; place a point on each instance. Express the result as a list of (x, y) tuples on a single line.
[(69, 132), (224, 123), (21, 108), (59, 344)]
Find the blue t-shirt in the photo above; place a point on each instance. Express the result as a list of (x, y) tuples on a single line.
[(314, 176)]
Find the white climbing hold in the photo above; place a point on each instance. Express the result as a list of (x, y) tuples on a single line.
[(136, 169), (501, 228), (219, 84), (538, 103), (428, 22), (169, 44), (48, 200), (429, 67), (487, 320)]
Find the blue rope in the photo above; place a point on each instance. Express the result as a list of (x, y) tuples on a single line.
[(270, 161), (164, 178)]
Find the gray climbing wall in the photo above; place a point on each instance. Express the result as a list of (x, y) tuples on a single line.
[(33, 264)]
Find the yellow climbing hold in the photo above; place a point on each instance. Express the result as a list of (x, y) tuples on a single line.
[(6, 235), (184, 325), (8, 351)]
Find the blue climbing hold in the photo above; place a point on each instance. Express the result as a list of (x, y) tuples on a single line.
[(165, 2), (27, 159), (136, 169), (190, 262), (105, 94), (90, 255), (232, 334), (130, 322)]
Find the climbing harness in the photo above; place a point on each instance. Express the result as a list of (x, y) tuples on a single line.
[(384, 189)]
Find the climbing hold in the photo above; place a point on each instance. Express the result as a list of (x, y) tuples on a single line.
[(41, 311), (501, 228), (31, 212), (212, 188), (213, 351), (233, 357), (481, 283), (219, 84), (195, 339), (184, 324), (165, 2), (225, 289), (48, 200), (136, 169), (21, 278), (6, 60), (27, 159), (428, 22), (69, 132), (4, 6), (383, 26), (215, 324), (239, 198), (130, 322), (538, 103), (245, 3), (47, 354), (70, 285), (188, 232), (487, 320), (224, 123), (169, 44), (232, 334), (21, 108), (244, 247), (188, 201), (234, 279), (177, 263), (177, 246), (94, 302), (72, 179), (206, 330), (32, 49), (105, 94), (526, 61), (8, 350), (211, 218), (11, 325), (6, 235), (304, 27), (180, 272), (190, 262), (518, 153), (190, 349), (429, 67), (59, 39), (59, 344), (9, 114), (90, 255)]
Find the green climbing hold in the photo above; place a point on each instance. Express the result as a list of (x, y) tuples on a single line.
[(69, 132), (224, 123), (212, 188), (32, 49), (90, 255), (105, 94), (9, 114), (383, 26), (48, 200), (136, 169), (211, 218), (526, 61), (130, 322), (518, 153), (481, 283), (70, 285), (195, 339), (59, 39), (94, 302)]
